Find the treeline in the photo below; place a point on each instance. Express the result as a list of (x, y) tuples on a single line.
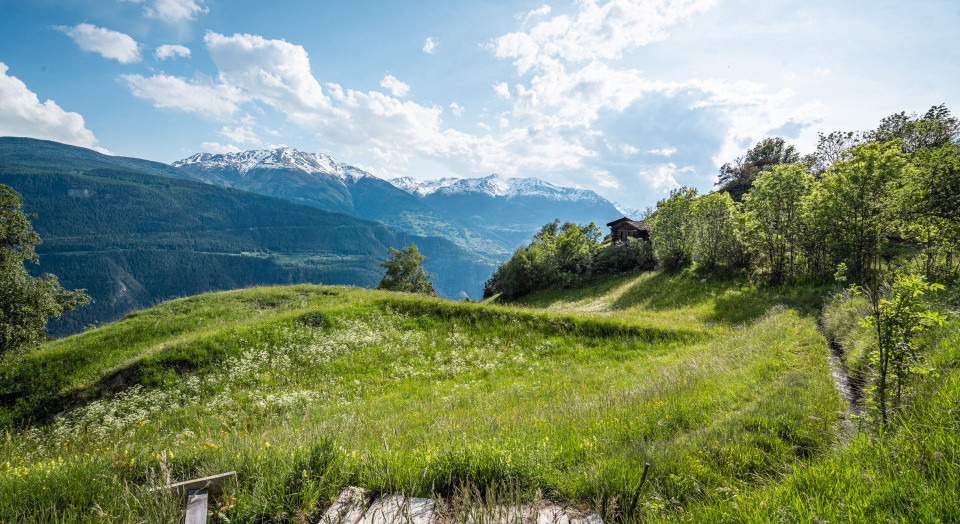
[(559, 255), (861, 204)]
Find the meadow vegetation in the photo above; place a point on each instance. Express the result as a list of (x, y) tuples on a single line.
[(304, 390)]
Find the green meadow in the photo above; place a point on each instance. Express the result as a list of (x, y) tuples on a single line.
[(723, 388)]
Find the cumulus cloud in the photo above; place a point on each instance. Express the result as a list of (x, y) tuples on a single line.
[(664, 176), (456, 109), (212, 100), (573, 84), (218, 148), (109, 44), (598, 31), (171, 51), (22, 114), (398, 88), (430, 45), (243, 134), (172, 10)]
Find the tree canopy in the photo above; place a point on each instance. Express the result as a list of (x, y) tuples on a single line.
[(405, 272), (737, 178)]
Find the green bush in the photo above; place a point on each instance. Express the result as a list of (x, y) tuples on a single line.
[(634, 254)]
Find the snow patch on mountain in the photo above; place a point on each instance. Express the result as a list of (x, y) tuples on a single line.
[(494, 186), (629, 212), (278, 158)]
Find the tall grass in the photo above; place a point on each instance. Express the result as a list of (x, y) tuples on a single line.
[(305, 390)]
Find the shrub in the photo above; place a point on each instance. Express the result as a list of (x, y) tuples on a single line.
[(619, 257)]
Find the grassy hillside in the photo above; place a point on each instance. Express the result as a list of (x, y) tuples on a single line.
[(133, 236), (304, 390)]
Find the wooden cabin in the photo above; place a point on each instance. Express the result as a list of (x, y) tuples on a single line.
[(624, 228)]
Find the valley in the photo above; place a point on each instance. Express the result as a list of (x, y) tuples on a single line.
[(134, 232)]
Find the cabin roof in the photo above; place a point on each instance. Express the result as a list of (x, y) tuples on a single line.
[(629, 224)]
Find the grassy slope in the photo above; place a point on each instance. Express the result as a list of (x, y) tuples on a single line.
[(305, 389)]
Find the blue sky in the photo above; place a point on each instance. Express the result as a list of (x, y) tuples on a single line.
[(626, 97)]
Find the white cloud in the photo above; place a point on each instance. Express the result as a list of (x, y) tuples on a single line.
[(22, 114), (172, 10), (573, 84), (430, 45), (243, 134), (218, 148), (176, 10), (663, 151), (110, 44), (398, 88), (599, 31), (606, 179), (664, 176), (456, 109), (388, 130), (273, 71), (543, 10), (205, 98), (171, 51)]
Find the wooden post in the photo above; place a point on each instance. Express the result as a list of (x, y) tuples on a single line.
[(636, 493)]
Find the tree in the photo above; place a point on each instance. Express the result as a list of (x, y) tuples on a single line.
[(672, 234), (737, 178), (772, 212), (854, 207), (830, 149), (715, 232), (405, 272), (558, 255), (934, 129), (898, 320), (26, 303)]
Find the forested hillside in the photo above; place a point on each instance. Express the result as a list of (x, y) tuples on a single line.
[(133, 238)]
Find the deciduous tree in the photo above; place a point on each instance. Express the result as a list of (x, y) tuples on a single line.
[(405, 272)]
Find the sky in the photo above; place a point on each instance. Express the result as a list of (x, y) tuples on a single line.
[(630, 98)]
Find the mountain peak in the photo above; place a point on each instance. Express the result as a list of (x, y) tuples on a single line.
[(282, 157), (495, 186)]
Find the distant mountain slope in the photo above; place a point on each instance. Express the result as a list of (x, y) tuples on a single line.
[(509, 209), (133, 236), (491, 215), (320, 181)]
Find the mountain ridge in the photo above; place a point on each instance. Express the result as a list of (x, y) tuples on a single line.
[(133, 234), (491, 215)]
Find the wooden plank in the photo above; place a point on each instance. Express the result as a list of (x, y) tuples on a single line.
[(196, 507), (212, 483)]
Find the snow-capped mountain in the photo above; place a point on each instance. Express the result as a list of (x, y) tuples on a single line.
[(629, 212), (281, 158), (491, 215), (495, 186)]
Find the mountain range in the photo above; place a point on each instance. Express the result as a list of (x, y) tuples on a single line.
[(134, 232), (491, 216)]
